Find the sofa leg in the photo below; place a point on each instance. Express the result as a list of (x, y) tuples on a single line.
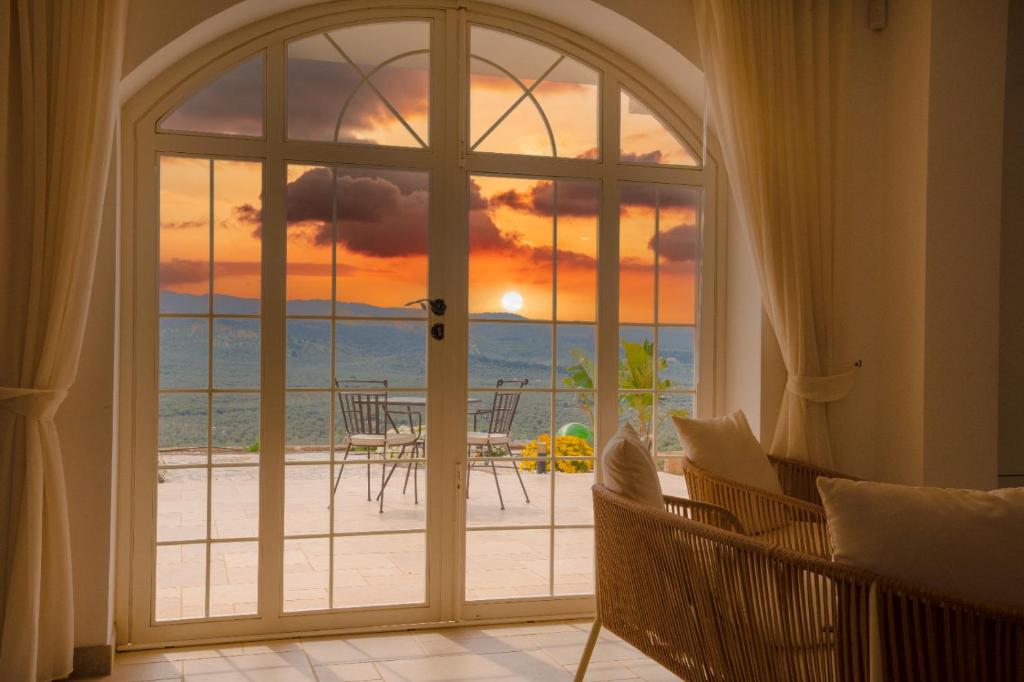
[(595, 630)]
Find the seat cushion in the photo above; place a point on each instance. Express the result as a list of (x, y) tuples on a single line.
[(965, 543), (725, 448), (379, 440), (484, 438), (629, 470)]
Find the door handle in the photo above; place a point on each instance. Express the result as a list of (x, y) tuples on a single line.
[(437, 331), (437, 305)]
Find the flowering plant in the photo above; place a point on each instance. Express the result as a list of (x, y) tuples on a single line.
[(565, 446)]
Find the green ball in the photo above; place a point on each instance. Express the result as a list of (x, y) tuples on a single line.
[(578, 430)]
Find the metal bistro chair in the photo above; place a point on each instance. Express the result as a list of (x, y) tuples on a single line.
[(370, 425), (497, 434)]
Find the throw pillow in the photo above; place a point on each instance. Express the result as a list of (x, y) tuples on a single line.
[(965, 543), (629, 469)]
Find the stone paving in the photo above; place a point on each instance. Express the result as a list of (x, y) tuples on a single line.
[(379, 569)]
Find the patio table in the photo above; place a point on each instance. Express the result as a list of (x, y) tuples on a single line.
[(418, 400)]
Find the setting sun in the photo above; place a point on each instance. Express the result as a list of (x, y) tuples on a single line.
[(512, 302)]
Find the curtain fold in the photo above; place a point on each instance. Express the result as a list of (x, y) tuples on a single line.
[(60, 63), (766, 64)]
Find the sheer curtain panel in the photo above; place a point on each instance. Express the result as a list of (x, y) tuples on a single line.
[(59, 65), (766, 63)]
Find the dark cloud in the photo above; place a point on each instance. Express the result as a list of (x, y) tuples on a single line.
[(646, 157), (231, 103), (184, 224), (677, 244), (575, 198), (317, 90)]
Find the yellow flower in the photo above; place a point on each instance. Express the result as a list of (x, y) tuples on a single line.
[(565, 446)]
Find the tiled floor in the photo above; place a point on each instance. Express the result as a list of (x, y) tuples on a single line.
[(509, 653)]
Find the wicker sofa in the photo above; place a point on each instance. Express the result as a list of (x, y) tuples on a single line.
[(687, 588)]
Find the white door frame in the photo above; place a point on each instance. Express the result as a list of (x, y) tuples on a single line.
[(450, 167)]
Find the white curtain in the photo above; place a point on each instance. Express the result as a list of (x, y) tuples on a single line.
[(59, 66), (766, 64)]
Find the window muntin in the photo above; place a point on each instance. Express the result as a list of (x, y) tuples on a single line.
[(526, 98), (559, 250), (365, 84), (208, 464)]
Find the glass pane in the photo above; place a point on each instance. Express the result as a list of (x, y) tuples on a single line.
[(577, 249), (510, 249), (308, 362), (307, 426), (636, 357), (573, 479), (508, 563), (675, 357), (569, 96), (183, 352), (678, 253), (576, 353), (526, 98), (184, 234), (235, 505), (638, 409), (234, 578), (236, 428), (637, 216), (183, 428), (405, 495), (236, 353), (574, 561), (181, 504), (307, 495), (669, 406), (575, 419), (379, 569), (307, 566), (310, 238), (238, 217), (381, 241), (646, 139), (509, 351), (230, 104), (375, 351), (329, 100), (180, 582)]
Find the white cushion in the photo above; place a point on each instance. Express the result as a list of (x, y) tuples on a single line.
[(964, 543), (379, 440), (629, 470), (484, 438), (725, 448)]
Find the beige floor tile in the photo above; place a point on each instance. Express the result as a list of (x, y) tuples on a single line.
[(603, 671), (289, 666), (347, 672), (517, 666), (143, 672), (360, 649)]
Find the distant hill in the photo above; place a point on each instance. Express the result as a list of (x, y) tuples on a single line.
[(393, 348)]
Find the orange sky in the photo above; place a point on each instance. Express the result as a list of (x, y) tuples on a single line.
[(381, 242)]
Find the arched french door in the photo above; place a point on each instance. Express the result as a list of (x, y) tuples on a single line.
[(315, 443)]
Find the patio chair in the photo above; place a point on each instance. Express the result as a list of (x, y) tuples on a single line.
[(496, 435), (370, 425)]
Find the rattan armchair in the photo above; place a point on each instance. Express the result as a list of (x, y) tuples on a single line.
[(711, 604), (795, 520)]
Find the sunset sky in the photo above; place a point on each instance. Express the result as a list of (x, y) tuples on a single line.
[(380, 234)]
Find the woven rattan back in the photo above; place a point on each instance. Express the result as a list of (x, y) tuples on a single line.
[(711, 604)]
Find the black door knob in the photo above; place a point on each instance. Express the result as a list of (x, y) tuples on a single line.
[(437, 331)]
